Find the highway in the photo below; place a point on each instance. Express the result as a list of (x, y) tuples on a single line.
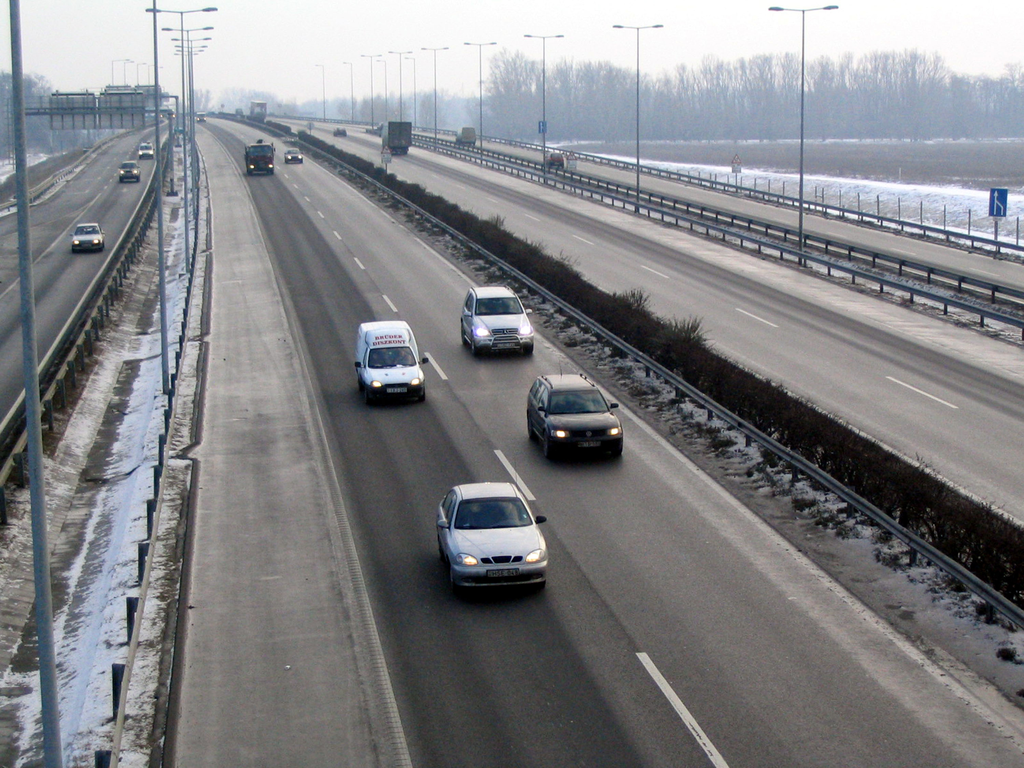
[(677, 628), (947, 396), (60, 277)]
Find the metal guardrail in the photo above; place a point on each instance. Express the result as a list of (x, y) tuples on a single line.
[(983, 289), (995, 601), (902, 226), (761, 246)]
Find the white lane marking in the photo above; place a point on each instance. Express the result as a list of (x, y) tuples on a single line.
[(531, 217), (295, 185), (515, 476), (493, 200), (393, 307), (684, 714), (306, 199), (922, 392), (320, 214), (460, 186), (433, 362), (986, 272), (357, 261), (759, 319), (583, 239), (659, 274), (336, 234)]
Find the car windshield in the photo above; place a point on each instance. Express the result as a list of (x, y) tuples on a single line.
[(145, 146), (590, 401), (261, 149), (503, 305), (292, 151), (128, 166), (476, 514), (390, 357), (87, 231)]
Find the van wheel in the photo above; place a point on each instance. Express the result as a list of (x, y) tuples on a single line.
[(423, 396), (367, 397)]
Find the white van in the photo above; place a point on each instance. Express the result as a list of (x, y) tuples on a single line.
[(388, 361)]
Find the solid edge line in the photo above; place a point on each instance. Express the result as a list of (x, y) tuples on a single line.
[(684, 714)]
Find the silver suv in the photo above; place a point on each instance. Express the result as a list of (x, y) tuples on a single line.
[(493, 320)]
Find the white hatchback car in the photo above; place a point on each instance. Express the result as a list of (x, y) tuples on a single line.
[(493, 320), (487, 536)]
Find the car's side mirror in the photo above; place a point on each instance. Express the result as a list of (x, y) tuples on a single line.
[(442, 523), (424, 361), (529, 311), (540, 519), (358, 364), (613, 405)]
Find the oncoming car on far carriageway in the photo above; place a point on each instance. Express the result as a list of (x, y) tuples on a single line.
[(487, 536)]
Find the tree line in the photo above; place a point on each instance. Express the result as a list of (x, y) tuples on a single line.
[(881, 95)]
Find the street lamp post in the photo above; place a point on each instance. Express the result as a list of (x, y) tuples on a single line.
[(803, 40), (414, 91), (400, 54), (480, 50), (544, 98), (323, 87), (112, 63), (387, 109), (351, 89), (371, 57), (651, 26), (434, 51), (164, 363)]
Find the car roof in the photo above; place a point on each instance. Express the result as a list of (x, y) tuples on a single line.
[(488, 491), (128, 162), (493, 291), (566, 381), (87, 224), (292, 149)]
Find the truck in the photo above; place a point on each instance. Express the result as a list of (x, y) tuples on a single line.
[(258, 111), (466, 137), (259, 158), (397, 137)]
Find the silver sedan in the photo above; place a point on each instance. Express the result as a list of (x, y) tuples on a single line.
[(487, 536)]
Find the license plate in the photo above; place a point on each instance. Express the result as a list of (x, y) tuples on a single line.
[(396, 390), (588, 443), (506, 345), (498, 573)]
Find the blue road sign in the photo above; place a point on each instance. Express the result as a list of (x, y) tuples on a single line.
[(542, 126), (997, 202)]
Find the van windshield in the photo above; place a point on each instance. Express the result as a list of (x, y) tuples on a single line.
[(390, 357)]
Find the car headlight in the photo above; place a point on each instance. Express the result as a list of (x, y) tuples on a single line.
[(525, 329), (416, 382), (615, 431), (560, 433), (536, 556), (481, 331), (376, 384), (464, 559)]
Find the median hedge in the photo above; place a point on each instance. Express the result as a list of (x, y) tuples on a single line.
[(982, 540)]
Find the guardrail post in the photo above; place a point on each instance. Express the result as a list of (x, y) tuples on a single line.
[(143, 555), (150, 514), (101, 758), (116, 678), (21, 469), (3, 506), (48, 413), (131, 607)]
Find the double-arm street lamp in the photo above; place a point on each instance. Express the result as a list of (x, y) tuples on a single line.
[(480, 50), (371, 57), (124, 63), (624, 26), (401, 110), (803, 39), (544, 97), (434, 51), (164, 362), (323, 87)]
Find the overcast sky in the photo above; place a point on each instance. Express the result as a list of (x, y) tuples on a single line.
[(276, 46)]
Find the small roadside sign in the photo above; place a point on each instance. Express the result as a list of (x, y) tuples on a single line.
[(542, 126), (385, 157), (998, 200)]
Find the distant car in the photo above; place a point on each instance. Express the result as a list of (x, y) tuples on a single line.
[(146, 151), (487, 536), (292, 156), (87, 237), (567, 412), (556, 161), (200, 117), (129, 171), (340, 132), (493, 320)]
